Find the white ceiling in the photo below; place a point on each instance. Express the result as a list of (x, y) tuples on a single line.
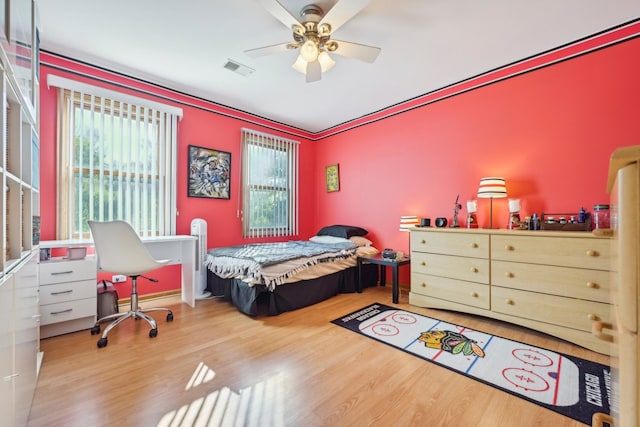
[(426, 44)]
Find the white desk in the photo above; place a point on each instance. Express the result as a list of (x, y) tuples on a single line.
[(180, 249)]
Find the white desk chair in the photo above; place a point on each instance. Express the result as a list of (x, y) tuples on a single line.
[(121, 251)]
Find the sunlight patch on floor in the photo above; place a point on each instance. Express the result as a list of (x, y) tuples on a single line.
[(202, 374), (261, 404)]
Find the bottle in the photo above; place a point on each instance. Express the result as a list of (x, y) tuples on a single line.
[(582, 216), (601, 217), (534, 224), (514, 214)]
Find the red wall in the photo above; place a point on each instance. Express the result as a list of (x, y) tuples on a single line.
[(548, 132)]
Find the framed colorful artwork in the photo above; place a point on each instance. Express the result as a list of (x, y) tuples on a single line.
[(209, 173), (333, 178)]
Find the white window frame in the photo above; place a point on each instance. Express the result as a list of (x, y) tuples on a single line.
[(282, 185), (142, 175)]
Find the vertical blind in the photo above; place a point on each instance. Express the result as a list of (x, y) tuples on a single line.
[(269, 185), (116, 160)]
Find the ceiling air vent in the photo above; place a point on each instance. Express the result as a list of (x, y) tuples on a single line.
[(236, 67)]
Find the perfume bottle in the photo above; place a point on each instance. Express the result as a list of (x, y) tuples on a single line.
[(472, 219)]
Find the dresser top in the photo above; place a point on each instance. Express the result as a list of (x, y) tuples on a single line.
[(601, 234)]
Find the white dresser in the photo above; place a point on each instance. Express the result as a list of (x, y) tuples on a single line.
[(68, 296)]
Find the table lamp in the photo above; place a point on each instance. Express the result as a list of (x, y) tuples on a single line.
[(407, 221), (492, 187)]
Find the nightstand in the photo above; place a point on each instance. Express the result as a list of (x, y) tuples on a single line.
[(384, 263)]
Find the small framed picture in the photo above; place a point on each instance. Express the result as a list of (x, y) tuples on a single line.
[(333, 178), (209, 173)]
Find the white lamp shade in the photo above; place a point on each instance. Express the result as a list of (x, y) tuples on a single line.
[(492, 187), (326, 63), (309, 51), (300, 65), (407, 221)]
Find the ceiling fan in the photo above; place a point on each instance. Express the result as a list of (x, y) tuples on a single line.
[(312, 36)]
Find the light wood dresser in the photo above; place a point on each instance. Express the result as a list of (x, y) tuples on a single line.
[(550, 281)]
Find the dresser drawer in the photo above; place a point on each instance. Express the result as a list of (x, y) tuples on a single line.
[(580, 252), (556, 310), (592, 285), (459, 244), (59, 271), (455, 267), (69, 310), (61, 292), (458, 291)]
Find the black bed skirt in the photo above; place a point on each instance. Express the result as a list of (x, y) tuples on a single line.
[(254, 300)]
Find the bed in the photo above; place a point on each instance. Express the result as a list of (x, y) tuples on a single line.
[(272, 278)]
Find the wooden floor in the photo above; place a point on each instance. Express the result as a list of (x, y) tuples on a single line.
[(213, 363)]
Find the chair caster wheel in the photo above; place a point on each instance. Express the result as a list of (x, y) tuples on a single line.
[(102, 342), (170, 317), (95, 330), (153, 333)]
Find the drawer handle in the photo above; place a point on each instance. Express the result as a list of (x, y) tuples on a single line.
[(57, 273), (62, 292), (62, 312), (597, 327), (592, 317), (424, 285), (508, 274), (423, 263), (508, 301), (592, 285), (592, 253), (509, 248), (474, 294), (423, 241), (474, 245), (474, 270), (10, 377)]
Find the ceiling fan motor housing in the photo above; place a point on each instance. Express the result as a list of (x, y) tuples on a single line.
[(311, 13)]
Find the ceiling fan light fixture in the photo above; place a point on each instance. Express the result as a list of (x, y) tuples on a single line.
[(309, 51), (326, 62), (300, 65)]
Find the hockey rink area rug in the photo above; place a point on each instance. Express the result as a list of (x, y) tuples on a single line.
[(571, 386)]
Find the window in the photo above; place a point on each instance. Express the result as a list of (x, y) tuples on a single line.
[(116, 160), (269, 185)]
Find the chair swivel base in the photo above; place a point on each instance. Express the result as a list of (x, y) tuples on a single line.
[(120, 317)]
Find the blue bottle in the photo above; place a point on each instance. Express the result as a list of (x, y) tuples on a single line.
[(582, 216)]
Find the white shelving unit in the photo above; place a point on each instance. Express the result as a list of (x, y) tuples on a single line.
[(20, 206)]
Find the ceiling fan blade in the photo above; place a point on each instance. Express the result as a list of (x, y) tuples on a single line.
[(314, 71), (268, 50), (358, 51), (342, 11), (275, 8)]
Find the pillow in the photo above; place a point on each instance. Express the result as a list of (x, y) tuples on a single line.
[(360, 241), (328, 239), (344, 231)]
